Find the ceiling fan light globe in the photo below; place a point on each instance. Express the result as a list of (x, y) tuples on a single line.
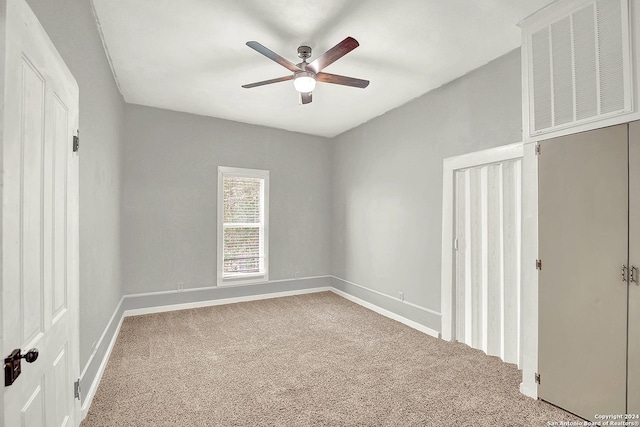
[(304, 84)]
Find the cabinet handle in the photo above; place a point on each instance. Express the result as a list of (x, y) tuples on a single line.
[(634, 275), (624, 273)]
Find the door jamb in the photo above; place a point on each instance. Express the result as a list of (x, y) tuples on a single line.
[(3, 49)]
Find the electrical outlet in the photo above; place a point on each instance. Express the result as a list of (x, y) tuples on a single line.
[(401, 296), (180, 286)]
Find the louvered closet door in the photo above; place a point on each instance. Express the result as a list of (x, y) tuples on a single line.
[(583, 234), (634, 259)]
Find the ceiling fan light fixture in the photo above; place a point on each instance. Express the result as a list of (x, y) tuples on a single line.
[(305, 75), (304, 81)]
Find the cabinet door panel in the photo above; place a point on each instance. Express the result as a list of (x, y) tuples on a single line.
[(633, 405), (583, 233)]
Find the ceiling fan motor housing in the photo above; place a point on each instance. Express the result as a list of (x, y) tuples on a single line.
[(305, 73), (304, 52)]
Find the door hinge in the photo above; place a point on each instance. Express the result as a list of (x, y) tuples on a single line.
[(624, 273), (76, 141), (537, 378), (76, 389), (538, 149), (538, 264), (455, 244), (634, 275)]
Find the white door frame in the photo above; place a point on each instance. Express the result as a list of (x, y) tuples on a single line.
[(529, 273), (529, 296)]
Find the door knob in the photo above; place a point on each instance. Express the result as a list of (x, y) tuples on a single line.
[(12, 366), (31, 355)]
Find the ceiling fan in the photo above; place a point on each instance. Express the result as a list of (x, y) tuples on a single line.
[(305, 75)]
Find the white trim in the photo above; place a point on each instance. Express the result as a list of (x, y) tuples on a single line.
[(243, 172), (262, 276), (484, 157), (525, 87), (529, 274), (243, 279), (435, 313), (206, 288), (103, 364), (102, 337), (527, 391), (598, 124), (449, 166), (549, 12), (387, 313), (223, 301)]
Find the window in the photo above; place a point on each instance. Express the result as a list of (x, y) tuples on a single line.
[(243, 225)]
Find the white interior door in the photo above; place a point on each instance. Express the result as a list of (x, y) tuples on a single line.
[(39, 223), (633, 394), (487, 228), (583, 233)]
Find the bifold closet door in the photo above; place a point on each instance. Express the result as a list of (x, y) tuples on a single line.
[(633, 395), (583, 235)]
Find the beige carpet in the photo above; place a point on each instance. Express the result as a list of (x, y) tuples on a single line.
[(306, 360)]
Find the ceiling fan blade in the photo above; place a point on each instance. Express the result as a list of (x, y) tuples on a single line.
[(341, 80), (268, 82), (272, 55), (306, 98), (333, 54)]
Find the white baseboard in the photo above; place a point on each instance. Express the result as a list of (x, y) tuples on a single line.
[(103, 364), (210, 303), (530, 390), (387, 313), (382, 294)]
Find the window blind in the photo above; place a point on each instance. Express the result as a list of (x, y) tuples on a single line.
[(243, 226)]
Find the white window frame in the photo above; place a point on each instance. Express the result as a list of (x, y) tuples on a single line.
[(224, 171)]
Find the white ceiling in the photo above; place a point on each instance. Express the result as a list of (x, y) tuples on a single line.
[(190, 55)]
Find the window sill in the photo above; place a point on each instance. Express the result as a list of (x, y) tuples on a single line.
[(243, 279)]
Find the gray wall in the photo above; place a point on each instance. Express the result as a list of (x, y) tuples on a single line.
[(72, 28), (169, 201), (387, 185)]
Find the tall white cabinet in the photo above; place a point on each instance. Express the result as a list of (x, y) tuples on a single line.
[(588, 284)]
